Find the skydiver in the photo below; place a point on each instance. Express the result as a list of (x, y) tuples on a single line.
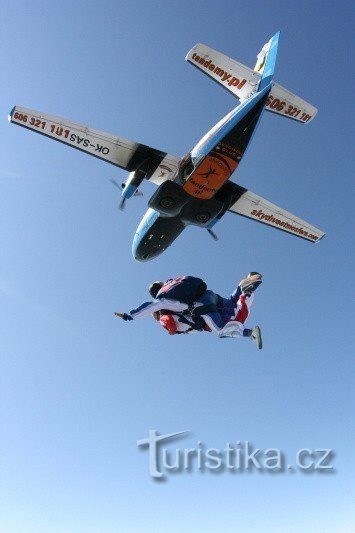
[(234, 311), (196, 307), (175, 295)]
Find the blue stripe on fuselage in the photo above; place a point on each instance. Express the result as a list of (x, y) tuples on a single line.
[(204, 147)]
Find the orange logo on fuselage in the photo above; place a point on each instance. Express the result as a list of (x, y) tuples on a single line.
[(207, 178)]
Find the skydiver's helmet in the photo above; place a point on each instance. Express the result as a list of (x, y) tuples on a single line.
[(154, 288)]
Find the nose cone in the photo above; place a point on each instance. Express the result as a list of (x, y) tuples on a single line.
[(154, 234), (140, 248)]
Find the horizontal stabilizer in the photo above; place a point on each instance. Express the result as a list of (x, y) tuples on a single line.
[(252, 206), (238, 79), (118, 151), (243, 81), (289, 105)]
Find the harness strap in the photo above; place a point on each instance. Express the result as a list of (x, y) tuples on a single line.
[(197, 323), (204, 310), (193, 325)]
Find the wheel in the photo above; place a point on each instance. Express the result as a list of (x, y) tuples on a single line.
[(167, 202)]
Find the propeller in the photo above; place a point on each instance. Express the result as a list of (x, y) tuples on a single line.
[(114, 182), (121, 187), (213, 235), (122, 204)]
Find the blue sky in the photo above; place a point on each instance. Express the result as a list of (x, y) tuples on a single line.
[(79, 388)]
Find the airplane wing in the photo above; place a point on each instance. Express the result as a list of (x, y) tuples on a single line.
[(118, 151), (252, 206)]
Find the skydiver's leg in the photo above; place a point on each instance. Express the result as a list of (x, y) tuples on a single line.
[(236, 293), (219, 316), (232, 329), (206, 307), (244, 304), (235, 326), (231, 302), (217, 312), (214, 322), (245, 287)]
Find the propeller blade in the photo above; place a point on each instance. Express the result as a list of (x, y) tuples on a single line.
[(213, 235), (122, 204), (114, 182)]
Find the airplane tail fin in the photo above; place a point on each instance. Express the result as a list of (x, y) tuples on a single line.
[(266, 61)]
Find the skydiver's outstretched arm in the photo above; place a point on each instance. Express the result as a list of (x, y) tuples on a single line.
[(124, 316), (148, 308)]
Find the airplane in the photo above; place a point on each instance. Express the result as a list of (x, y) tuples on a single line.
[(195, 189)]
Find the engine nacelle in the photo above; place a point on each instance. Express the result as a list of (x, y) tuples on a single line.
[(201, 213), (169, 199), (134, 181)]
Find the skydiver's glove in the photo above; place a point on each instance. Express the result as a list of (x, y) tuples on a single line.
[(124, 316)]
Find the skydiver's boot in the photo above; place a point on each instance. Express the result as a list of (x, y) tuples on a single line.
[(250, 283), (255, 335)]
